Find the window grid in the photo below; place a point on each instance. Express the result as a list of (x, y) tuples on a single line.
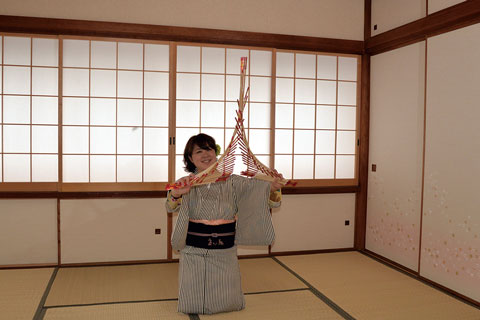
[(31, 76), (143, 112), (316, 128), (10, 170), (89, 108), (315, 120), (2, 171), (117, 97), (116, 114), (336, 123), (226, 127), (294, 113), (117, 126)]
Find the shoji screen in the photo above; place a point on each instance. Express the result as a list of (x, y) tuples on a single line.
[(208, 82), (29, 104), (316, 116), (115, 111)]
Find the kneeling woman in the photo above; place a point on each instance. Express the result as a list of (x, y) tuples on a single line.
[(212, 220)]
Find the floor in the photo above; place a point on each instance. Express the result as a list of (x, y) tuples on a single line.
[(341, 285)]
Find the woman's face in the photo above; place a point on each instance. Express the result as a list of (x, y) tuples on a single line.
[(202, 159)]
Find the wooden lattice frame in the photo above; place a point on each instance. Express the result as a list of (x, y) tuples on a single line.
[(223, 167)]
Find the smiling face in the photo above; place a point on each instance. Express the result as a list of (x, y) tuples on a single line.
[(203, 158)]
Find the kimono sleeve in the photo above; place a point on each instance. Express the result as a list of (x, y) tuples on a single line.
[(254, 224), (179, 234), (171, 204)]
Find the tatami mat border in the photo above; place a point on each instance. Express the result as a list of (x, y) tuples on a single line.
[(276, 291), (40, 309), (142, 301), (108, 303), (317, 293), (45, 309)]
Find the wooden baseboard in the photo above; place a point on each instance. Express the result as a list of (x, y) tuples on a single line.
[(114, 263), (389, 262), (28, 266), (132, 262), (295, 253)]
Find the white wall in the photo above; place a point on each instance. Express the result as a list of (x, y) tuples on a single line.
[(28, 231), (396, 148), (389, 14), (437, 5), (314, 222), (341, 19), (102, 230), (106, 230)]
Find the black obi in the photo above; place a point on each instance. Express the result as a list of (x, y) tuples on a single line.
[(211, 236)]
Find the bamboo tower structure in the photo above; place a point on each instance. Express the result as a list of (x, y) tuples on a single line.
[(223, 167)]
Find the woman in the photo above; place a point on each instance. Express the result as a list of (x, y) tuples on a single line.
[(213, 219)]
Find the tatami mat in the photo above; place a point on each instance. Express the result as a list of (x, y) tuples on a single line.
[(367, 289), (119, 311), (88, 285), (21, 291), (361, 286), (265, 274), (280, 306)]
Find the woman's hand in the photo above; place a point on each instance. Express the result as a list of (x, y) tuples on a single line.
[(185, 182), (275, 184)]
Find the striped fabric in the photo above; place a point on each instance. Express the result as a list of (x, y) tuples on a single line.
[(209, 280)]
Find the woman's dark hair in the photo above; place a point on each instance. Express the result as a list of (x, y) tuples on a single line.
[(203, 141)]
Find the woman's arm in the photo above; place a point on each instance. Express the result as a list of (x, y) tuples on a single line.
[(174, 197)]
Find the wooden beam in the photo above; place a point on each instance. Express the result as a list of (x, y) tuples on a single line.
[(319, 190), (367, 27), (361, 195), (152, 193), (461, 15), (17, 24), (82, 194)]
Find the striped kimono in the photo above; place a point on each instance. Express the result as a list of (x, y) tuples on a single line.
[(209, 280)]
